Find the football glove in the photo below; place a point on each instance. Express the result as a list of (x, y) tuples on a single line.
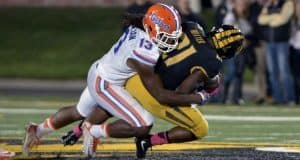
[(72, 136), (216, 81), (204, 98), (69, 139)]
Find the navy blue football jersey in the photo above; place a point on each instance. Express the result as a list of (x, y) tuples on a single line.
[(193, 52)]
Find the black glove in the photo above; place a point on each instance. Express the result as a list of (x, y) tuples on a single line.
[(69, 139), (72, 136)]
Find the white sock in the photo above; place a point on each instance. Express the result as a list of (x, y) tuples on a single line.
[(99, 131), (45, 128)]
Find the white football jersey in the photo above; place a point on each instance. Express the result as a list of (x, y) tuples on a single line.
[(134, 43)]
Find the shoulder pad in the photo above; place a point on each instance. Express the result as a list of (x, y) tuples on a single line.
[(189, 25)]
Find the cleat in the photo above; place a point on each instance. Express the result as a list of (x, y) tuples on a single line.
[(30, 139), (6, 155), (142, 145), (89, 143)]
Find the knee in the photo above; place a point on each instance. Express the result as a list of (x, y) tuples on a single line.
[(201, 129)]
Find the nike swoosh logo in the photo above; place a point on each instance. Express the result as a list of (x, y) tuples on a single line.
[(143, 142)]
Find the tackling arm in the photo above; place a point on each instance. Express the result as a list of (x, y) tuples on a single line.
[(154, 85), (198, 80), (192, 82)]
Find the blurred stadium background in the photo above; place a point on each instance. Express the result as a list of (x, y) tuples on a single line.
[(47, 46)]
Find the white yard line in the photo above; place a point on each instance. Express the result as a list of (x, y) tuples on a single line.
[(12, 132), (284, 134), (252, 118), (249, 138), (26, 111), (37, 103), (278, 149), (8, 125), (209, 117)]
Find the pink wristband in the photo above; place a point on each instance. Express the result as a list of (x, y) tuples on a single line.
[(77, 131), (213, 91)]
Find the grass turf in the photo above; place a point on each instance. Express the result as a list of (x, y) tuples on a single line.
[(55, 43), (58, 43), (12, 125)]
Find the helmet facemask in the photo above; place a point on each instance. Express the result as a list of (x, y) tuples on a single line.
[(166, 42)]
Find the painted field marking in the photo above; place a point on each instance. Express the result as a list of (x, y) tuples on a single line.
[(124, 145), (38, 103), (10, 132), (280, 149), (252, 118), (115, 147), (249, 138), (8, 125), (209, 117), (26, 111)]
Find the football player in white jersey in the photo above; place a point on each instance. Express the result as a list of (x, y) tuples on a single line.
[(136, 52)]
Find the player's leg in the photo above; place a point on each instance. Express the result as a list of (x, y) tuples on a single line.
[(179, 134), (63, 117), (117, 129), (120, 104), (191, 124), (190, 119), (68, 115), (73, 136)]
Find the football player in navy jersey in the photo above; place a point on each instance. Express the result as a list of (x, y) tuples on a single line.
[(192, 67)]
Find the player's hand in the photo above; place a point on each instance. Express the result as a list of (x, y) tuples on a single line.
[(204, 96), (212, 86), (69, 139), (72, 136)]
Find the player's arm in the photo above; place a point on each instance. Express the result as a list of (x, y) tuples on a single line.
[(154, 85), (192, 82), (198, 78)]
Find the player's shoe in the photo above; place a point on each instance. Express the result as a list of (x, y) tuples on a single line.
[(30, 138), (142, 145), (6, 155), (89, 143)]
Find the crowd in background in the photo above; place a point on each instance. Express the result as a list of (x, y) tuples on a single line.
[(272, 47), (271, 28)]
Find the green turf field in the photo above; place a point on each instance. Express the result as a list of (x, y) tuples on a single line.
[(55, 43), (278, 124)]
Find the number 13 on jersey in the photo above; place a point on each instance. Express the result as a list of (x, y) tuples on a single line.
[(145, 44)]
